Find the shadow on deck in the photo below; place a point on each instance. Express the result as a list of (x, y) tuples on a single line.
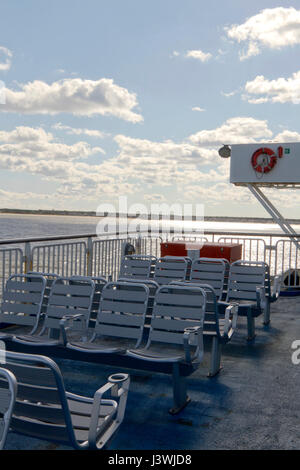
[(252, 404)]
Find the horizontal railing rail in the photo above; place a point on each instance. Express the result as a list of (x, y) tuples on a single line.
[(91, 254), (15, 241)]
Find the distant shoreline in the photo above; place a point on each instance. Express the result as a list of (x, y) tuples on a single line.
[(262, 220)]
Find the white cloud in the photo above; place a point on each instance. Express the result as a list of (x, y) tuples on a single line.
[(5, 58), (230, 93), (34, 151), (28, 147), (144, 170), (76, 96), (197, 108), (287, 136), (11, 196), (78, 131), (233, 131), (194, 54), (154, 197), (199, 55), (273, 28), (280, 90), (165, 165)]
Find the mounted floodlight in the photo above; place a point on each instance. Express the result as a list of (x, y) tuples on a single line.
[(225, 151)]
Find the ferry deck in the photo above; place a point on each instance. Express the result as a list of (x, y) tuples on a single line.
[(251, 404)]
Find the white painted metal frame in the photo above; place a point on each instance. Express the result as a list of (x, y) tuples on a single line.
[(8, 394), (44, 409), (275, 214)]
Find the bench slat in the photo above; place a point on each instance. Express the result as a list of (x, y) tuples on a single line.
[(20, 308), (14, 319), (126, 307), (119, 319), (179, 312), (67, 289), (258, 279), (24, 286), (179, 299), (119, 331), (22, 297), (33, 375), (173, 324), (75, 301), (132, 294)]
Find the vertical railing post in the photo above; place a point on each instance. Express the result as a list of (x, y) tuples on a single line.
[(28, 258), (89, 257), (138, 245)]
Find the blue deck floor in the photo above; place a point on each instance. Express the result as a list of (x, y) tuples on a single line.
[(252, 404)]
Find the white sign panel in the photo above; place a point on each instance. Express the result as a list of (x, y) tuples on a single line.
[(265, 163)]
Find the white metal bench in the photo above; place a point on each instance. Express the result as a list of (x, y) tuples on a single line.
[(65, 300), (176, 335), (177, 319), (137, 267), (153, 286), (171, 268), (218, 326), (22, 302), (120, 320), (99, 283), (8, 393), (49, 278), (248, 286), (210, 271), (45, 410)]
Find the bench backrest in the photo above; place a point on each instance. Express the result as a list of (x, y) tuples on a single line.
[(211, 315), (49, 278), (210, 271), (244, 278), (137, 266), (176, 308), (8, 393), (123, 307), (99, 283), (69, 298), (41, 408), (22, 299), (171, 268), (153, 286)]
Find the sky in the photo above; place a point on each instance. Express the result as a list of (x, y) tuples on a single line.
[(132, 98)]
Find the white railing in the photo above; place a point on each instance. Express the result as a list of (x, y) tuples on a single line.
[(287, 260), (11, 261), (89, 255), (65, 259)]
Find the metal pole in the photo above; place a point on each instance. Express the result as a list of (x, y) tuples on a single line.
[(27, 258), (275, 214)]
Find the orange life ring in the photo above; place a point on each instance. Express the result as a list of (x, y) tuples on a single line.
[(263, 160)]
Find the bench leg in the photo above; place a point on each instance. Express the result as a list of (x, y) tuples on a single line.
[(267, 314), (215, 357), (250, 326), (179, 391)]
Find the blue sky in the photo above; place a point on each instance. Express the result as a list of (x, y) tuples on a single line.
[(133, 98)]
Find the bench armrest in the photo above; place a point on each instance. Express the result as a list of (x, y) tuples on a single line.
[(193, 331), (118, 386), (275, 289), (231, 316), (63, 328), (261, 297)]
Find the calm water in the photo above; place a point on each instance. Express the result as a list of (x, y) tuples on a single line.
[(24, 226)]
